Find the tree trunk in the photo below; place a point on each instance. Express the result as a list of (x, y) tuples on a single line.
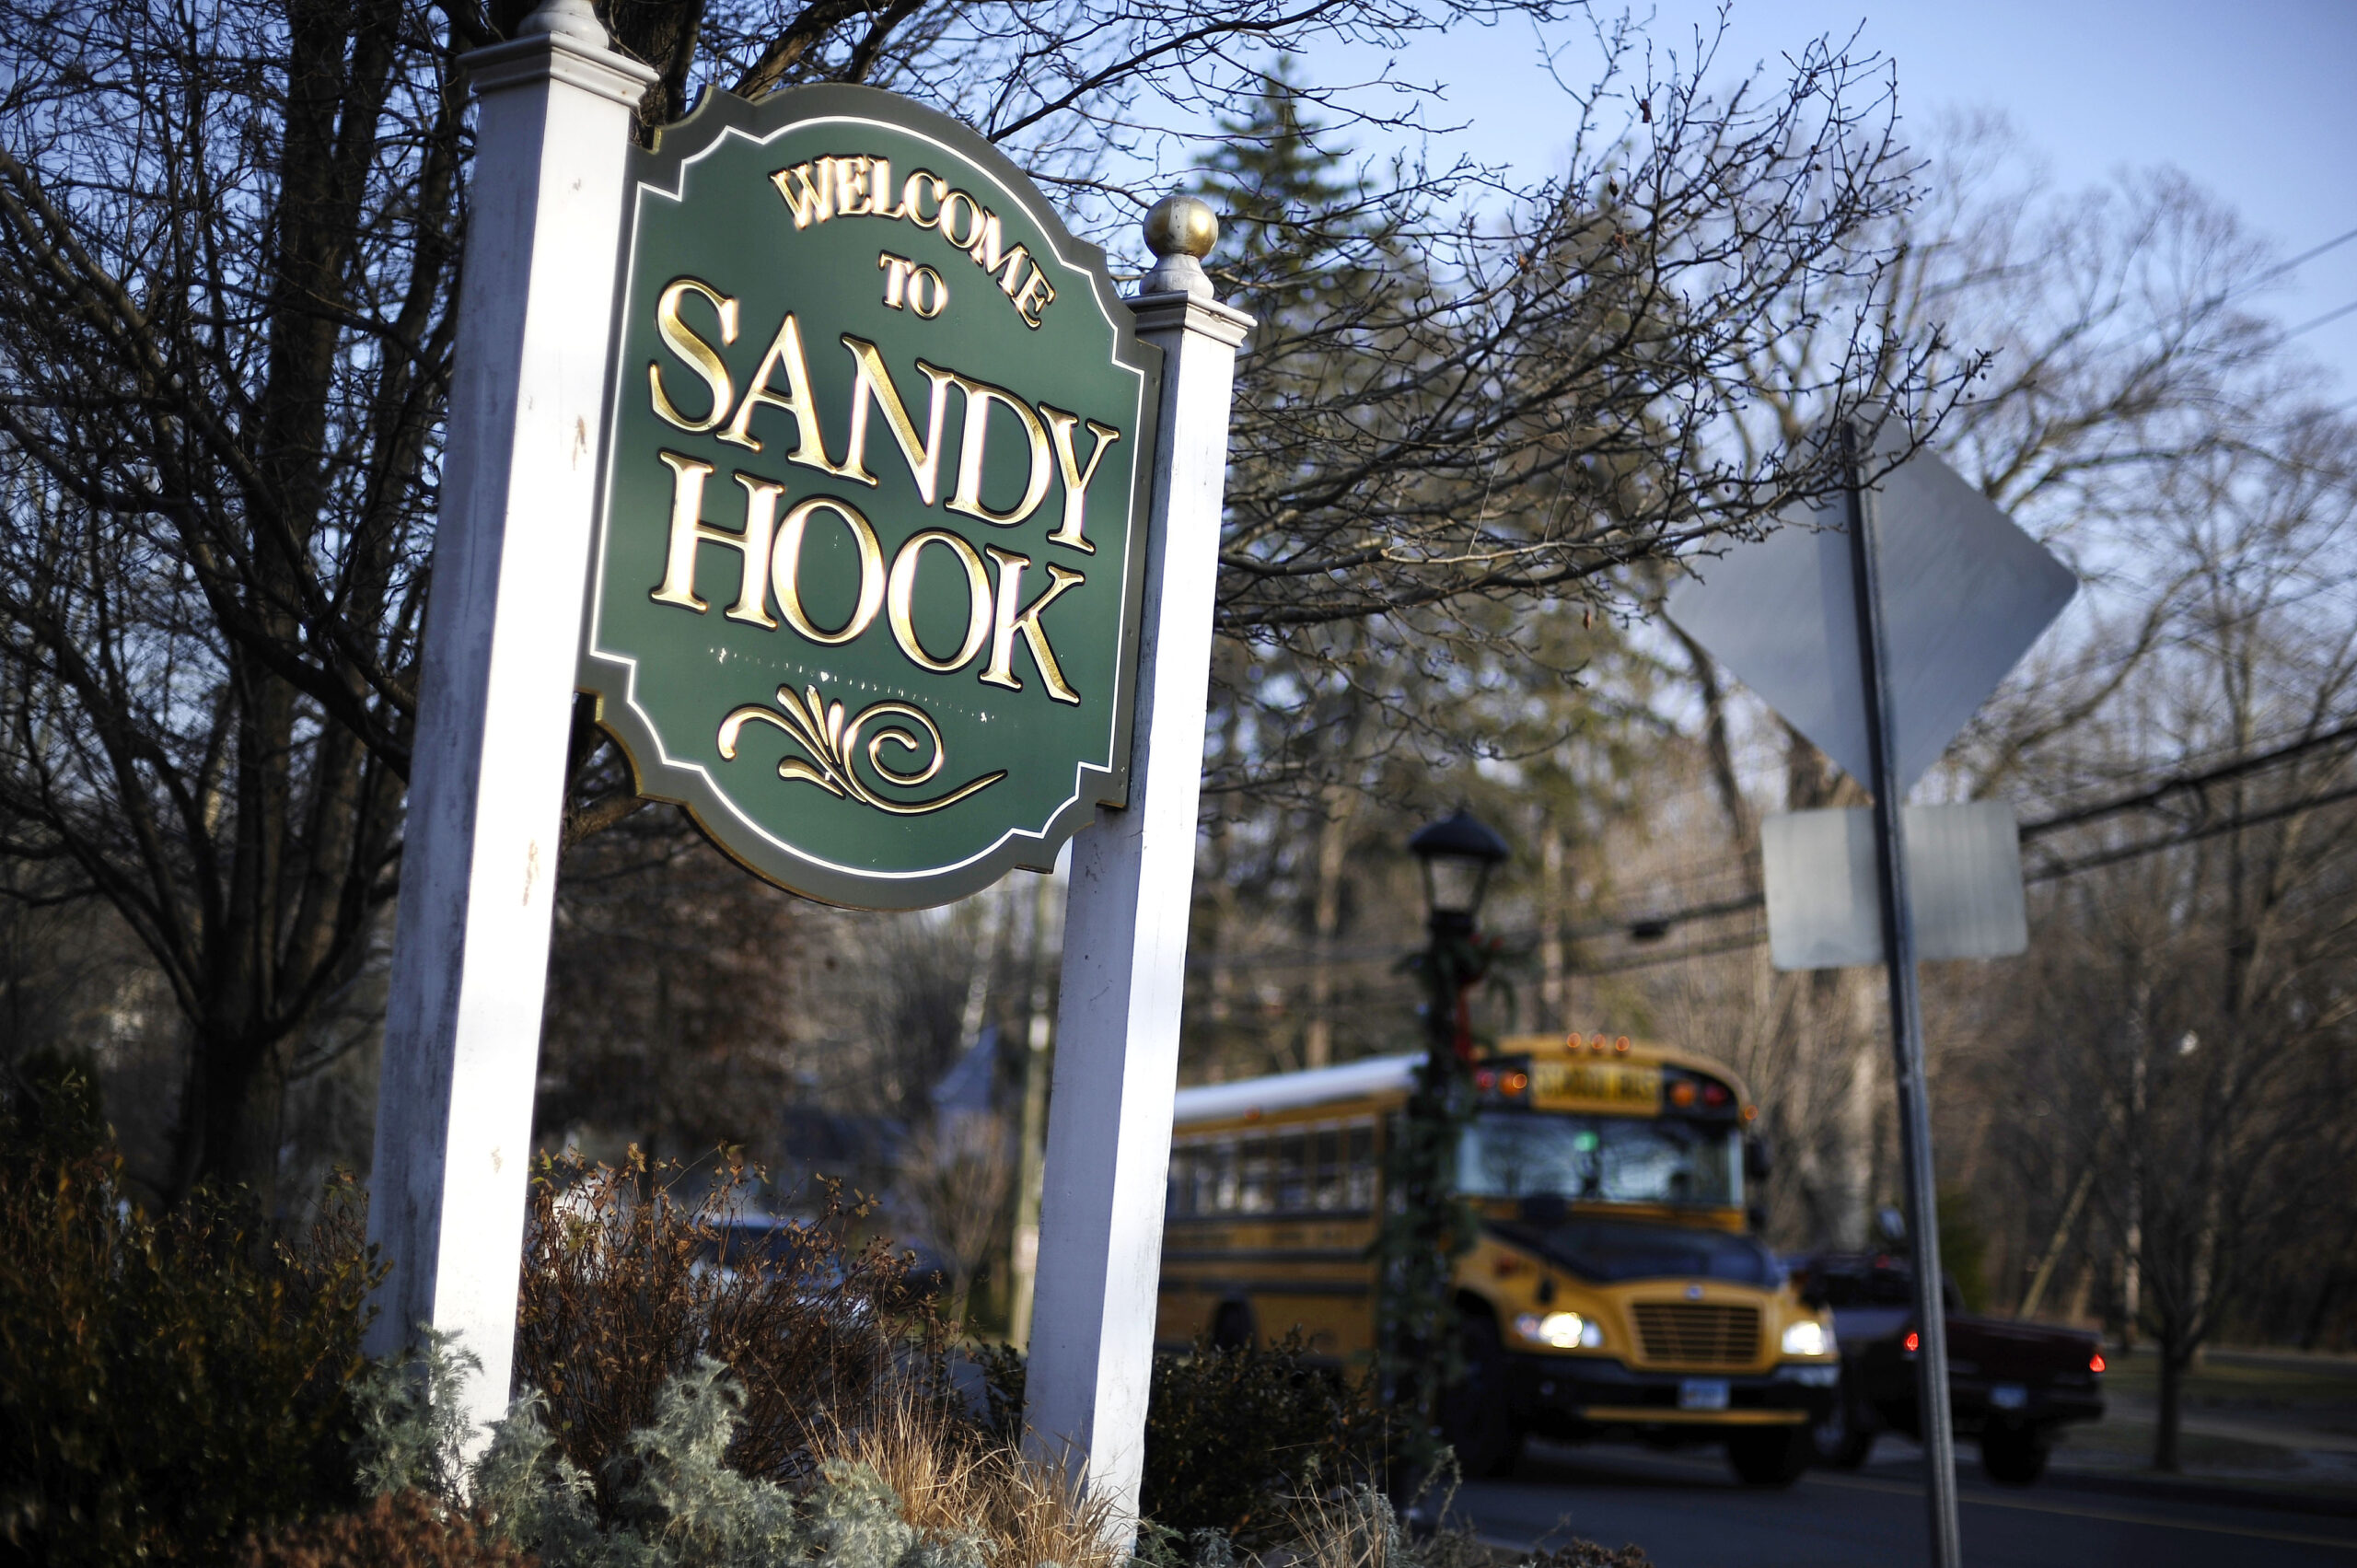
[(1326, 919), (2174, 1358)]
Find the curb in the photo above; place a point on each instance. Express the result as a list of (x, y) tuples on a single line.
[(2188, 1490)]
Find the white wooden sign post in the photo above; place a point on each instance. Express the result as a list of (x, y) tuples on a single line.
[(1125, 926), (463, 1024), (575, 523)]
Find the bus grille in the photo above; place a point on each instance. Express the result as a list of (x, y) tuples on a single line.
[(1698, 1333)]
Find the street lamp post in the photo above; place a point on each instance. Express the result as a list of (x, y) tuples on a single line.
[(1425, 1227)]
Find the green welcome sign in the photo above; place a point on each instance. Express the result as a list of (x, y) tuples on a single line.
[(865, 591)]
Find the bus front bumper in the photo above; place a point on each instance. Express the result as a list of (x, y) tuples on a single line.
[(1572, 1394)]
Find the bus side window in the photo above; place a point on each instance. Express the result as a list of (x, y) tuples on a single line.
[(1222, 1170), (1293, 1173), (1253, 1185), (1330, 1189), (1181, 1200), (1360, 1164)]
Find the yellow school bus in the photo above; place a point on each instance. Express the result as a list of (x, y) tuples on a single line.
[(1617, 1287)]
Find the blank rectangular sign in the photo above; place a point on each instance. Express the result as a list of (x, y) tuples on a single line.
[(1963, 875)]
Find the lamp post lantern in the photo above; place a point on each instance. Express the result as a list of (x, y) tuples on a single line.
[(1456, 855)]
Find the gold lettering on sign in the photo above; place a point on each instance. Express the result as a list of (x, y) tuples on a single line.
[(786, 570), (785, 353), (872, 384), (837, 186), (974, 210), (899, 599), (1076, 479), (880, 185), (990, 253), (1006, 621), (699, 356), (968, 499), (689, 530), (928, 295), (1034, 296), (810, 201), (852, 194), (921, 178), (895, 279)]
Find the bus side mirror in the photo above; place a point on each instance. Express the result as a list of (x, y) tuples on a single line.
[(1758, 1165), (1811, 1286)]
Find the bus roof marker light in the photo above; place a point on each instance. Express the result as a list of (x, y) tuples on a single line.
[(1621, 1045)]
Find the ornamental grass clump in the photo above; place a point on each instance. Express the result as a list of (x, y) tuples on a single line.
[(952, 1474)]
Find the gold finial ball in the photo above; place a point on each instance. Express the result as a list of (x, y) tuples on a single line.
[(1182, 226)]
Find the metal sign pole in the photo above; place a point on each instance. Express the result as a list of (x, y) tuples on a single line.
[(1906, 1017)]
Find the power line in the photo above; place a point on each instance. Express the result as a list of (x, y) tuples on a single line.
[(2185, 783), (2327, 317), (2191, 835), (1647, 928), (2278, 270)]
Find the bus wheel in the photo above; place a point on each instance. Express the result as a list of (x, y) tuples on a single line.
[(1476, 1418), (1232, 1327), (1770, 1455)]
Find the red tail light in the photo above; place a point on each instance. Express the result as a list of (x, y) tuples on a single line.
[(1914, 1342), (2094, 1362)]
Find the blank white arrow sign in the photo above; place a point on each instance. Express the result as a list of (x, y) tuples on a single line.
[(1965, 592)]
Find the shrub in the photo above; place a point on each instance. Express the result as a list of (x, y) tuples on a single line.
[(401, 1529), (1234, 1435), (685, 1506), (622, 1295), (171, 1382), (1588, 1554)]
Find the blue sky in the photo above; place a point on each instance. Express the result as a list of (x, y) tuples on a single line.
[(2256, 100)]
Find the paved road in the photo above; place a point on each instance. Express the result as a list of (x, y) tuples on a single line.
[(1687, 1512)]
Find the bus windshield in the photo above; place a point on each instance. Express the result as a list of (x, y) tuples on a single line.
[(1601, 1159)]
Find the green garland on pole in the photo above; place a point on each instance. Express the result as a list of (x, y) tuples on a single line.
[(1426, 1225)]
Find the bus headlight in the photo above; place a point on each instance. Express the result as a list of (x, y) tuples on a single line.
[(1564, 1330), (1808, 1337)]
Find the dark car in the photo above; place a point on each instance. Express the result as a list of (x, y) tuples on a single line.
[(2010, 1384)]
